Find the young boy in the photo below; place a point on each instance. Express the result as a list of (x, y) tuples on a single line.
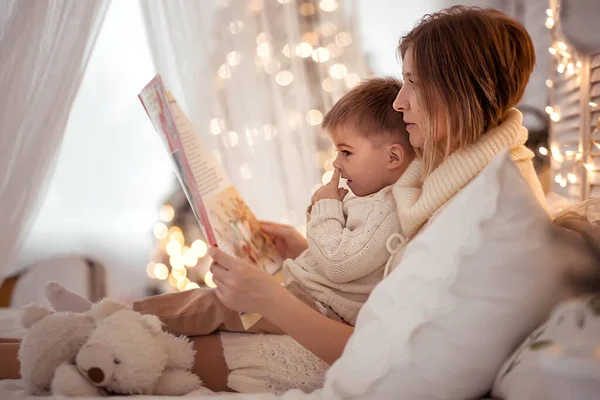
[(346, 235)]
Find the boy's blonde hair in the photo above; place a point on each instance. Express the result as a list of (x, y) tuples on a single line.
[(473, 64), (368, 108)]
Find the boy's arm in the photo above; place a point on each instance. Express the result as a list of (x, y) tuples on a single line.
[(350, 249)]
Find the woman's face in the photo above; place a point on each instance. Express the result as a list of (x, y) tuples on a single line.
[(409, 104)]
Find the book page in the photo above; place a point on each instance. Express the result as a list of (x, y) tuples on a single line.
[(235, 227), (224, 216)]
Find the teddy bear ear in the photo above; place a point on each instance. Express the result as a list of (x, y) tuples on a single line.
[(32, 314), (152, 323), (106, 307)]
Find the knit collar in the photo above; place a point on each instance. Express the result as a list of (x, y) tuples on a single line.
[(418, 200)]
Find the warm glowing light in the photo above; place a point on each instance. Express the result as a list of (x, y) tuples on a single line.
[(208, 280), (234, 58), (306, 9), (264, 50), (176, 261), (284, 78), (217, 125), (190, 259), (314, 117), (543, 151), (320, 54), (328, 5), (150, 270), (173, 248), (236, 27), (200, 248), (262, 37), (179, 273), (556, 154), (161, 271), (182, 283), (191, 286), (304, 50), (225, 71), (160, 231), (167, 213), (338, 71)]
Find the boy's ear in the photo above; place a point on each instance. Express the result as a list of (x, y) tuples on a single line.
[(396, 156)]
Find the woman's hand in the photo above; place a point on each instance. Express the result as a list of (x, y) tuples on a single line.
[(246, 288), (242, 286), (288, 241)]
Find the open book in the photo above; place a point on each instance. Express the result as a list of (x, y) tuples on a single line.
[(224, 217)]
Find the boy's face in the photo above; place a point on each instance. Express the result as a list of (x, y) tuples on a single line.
[(362, 162)]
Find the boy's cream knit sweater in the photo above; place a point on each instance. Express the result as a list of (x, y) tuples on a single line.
[(346, 252)]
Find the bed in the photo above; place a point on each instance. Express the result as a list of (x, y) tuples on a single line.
[(86, 278)]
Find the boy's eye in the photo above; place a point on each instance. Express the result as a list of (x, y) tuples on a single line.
[(346, 153)]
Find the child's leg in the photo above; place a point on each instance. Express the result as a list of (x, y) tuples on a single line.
[(64, 300), (9, 366), (198, 312)]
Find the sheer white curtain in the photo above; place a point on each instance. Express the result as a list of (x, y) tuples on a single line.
[(255, 78), (44, 48)]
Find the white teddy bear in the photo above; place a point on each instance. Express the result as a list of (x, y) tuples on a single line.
[(51, 339), (125, 352)]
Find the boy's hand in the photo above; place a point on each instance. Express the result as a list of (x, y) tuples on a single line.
[(331, 190)]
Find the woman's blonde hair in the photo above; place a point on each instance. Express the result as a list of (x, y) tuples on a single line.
[(474, 64)]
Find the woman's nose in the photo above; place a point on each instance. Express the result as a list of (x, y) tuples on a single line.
[(400, 103)]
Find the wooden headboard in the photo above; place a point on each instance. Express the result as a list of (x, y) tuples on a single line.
[(80, 274)]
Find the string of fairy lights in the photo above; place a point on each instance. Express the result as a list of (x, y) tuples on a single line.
[(331, 66), (569, 165)]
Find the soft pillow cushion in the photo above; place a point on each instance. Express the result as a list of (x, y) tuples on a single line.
[(469, 289), (559, 360)]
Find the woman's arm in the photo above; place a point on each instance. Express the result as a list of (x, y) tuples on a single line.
[(245, 288), (322, 336)]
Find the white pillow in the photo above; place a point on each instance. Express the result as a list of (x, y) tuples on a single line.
[(469, 289), (560, 360)]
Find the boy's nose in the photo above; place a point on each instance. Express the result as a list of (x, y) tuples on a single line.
[(336, 163)]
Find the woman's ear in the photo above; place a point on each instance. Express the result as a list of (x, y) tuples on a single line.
[(396, 155)]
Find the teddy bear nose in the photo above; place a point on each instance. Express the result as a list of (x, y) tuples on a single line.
[(96, 375)]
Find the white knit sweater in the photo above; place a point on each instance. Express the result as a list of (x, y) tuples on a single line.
[(420, 200), (346, 252)]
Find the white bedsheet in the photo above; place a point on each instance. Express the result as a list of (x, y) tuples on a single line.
[(13, 390)]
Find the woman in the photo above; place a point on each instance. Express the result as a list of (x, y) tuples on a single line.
[(464, 69)]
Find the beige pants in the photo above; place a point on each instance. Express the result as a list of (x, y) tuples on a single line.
[(199, 312)]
